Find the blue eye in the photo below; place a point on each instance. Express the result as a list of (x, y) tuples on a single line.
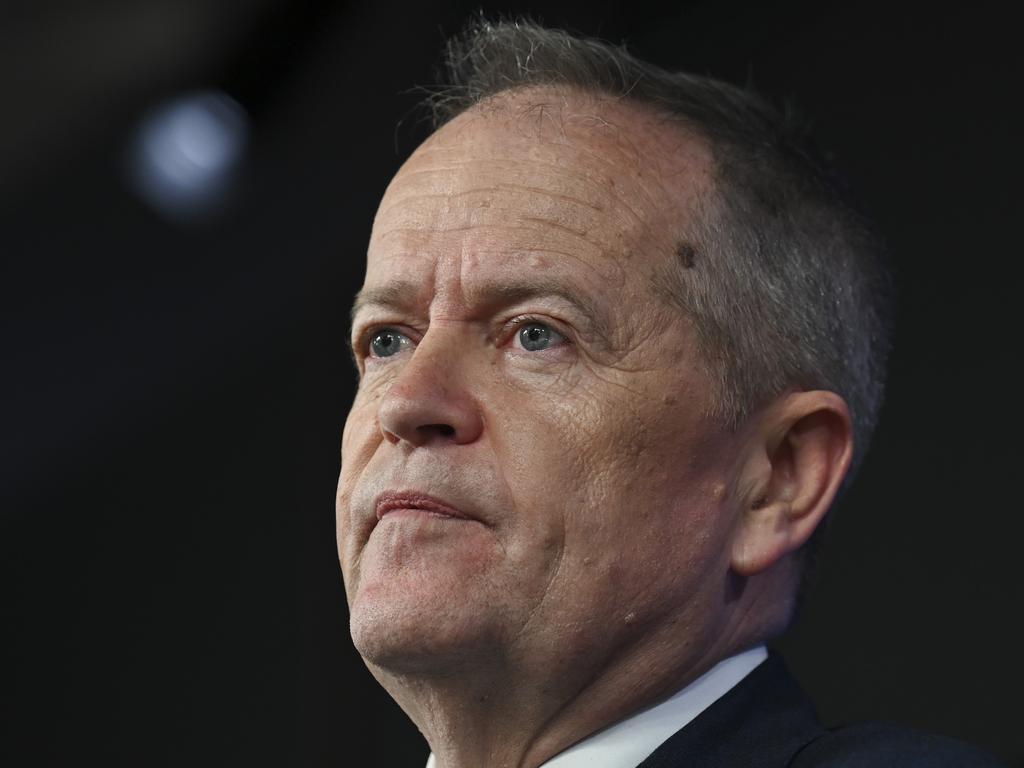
[(387, 342), (534, 337)]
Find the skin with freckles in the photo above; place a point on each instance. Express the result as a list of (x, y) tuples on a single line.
[(592, 540)]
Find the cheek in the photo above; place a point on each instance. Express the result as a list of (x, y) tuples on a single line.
[(359, 442), (620, 439), (361, 433), (644, 485), (571, 480)]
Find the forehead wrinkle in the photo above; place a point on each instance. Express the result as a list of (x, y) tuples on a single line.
[(533, 190), (428, 239), (559, 170), (609, 220), (646, 197), (405, 295), (525, 204)]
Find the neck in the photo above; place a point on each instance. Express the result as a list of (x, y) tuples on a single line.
[(521, 715)]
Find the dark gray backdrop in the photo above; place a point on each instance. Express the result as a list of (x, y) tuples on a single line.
[(174, 395)]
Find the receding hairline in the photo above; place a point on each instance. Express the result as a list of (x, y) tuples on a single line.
[(684, 248), (680, 249), (532, 103), (676, 148)]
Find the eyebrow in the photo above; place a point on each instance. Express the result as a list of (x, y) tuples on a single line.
[(401, 295), (398, 294)]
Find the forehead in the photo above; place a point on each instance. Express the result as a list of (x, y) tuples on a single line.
[(545, 178)]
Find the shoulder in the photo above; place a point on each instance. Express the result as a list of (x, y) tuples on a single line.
[(879, 745)]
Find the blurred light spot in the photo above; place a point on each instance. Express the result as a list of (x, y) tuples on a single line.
[(186, 153)]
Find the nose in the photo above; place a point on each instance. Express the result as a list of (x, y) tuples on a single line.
[(430, 401)]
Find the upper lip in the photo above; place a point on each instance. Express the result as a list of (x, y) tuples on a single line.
[(392, 500)]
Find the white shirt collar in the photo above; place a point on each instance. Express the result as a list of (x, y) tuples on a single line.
[(627, 743)]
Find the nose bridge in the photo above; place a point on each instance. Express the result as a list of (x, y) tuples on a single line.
[(438, 358), (432, 398)]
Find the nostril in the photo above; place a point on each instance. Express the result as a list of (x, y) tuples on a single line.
[(443, 430), (427, 431)]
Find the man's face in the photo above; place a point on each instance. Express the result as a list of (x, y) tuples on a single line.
[(527, 472)]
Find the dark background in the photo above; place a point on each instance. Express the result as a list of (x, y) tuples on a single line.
[(174, 392)]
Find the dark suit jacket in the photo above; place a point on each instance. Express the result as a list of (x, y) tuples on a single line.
[(768, 722)]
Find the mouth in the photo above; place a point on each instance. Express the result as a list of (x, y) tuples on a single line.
[(413, 503)]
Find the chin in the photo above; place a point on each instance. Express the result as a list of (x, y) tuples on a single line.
[(412, 636), (424, 591)]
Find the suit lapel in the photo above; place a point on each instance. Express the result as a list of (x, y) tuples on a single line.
[(761, 723)]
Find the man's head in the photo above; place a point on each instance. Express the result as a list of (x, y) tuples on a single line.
[(605, 373)]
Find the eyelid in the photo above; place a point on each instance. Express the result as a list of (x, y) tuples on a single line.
[(514, 325), (361, 345), (363, 336)]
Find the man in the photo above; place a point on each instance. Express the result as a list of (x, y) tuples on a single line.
[(619, 343)]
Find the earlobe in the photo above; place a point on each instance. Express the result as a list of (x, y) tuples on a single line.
[(798, 455)]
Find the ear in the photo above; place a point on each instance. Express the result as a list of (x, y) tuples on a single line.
[(797, 454)]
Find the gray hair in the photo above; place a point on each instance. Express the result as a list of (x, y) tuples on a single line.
[(785, 286)]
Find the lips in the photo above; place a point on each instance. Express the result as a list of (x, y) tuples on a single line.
[(404, 500)]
